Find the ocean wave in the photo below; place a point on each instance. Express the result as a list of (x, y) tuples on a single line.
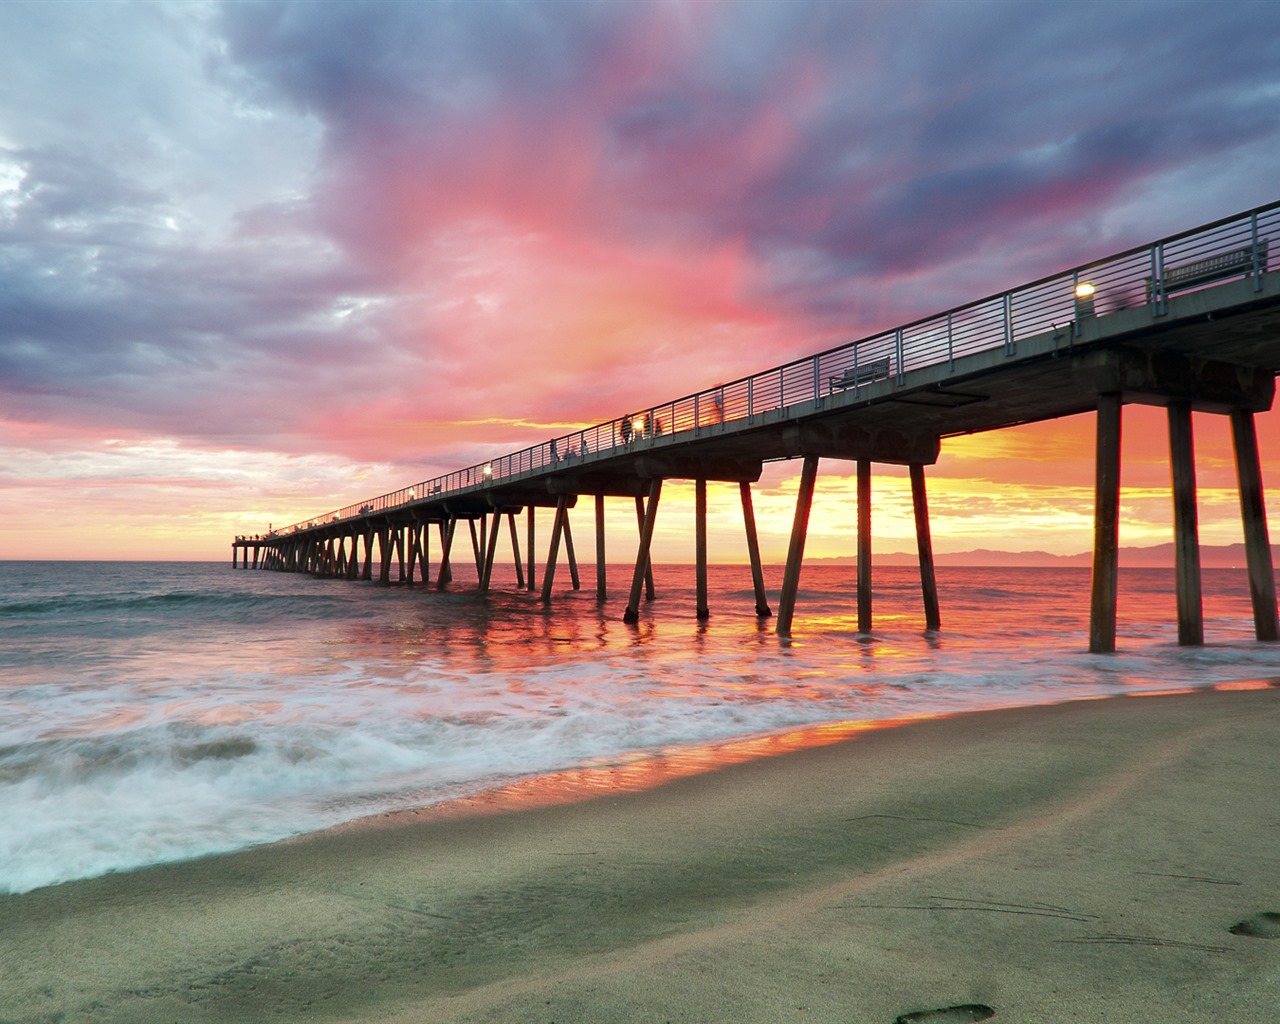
[(156, 714), (179, 606)]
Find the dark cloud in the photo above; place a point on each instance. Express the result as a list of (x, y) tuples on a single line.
[(109, 316)]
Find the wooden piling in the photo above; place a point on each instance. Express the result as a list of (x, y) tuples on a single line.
[(700, 547), (353, 562), (795, 551), (753, 550), (1253, 512), (553, 551), (411, 557), (864, 546), (648, 569), (1186, 538), (644, 570), (515, 549), (601, 591), (491, 551), (924, 545), (384, 539), (477, 546), (447, 530), (568, 550), (1106, 527), (529, 513)]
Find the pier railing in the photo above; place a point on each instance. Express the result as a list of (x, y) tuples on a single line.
[(1235, 247)]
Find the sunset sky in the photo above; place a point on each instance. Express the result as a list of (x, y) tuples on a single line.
[(261, 260)]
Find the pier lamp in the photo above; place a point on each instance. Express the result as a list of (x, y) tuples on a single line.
[(1084, 299), (637, 425), (488, 470)]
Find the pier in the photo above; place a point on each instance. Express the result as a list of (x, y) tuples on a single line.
[(1190, 323)]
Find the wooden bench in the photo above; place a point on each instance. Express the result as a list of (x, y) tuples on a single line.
[(1211, 268), (863, 373)]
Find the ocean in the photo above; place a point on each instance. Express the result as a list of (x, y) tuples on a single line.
[(156, 711)]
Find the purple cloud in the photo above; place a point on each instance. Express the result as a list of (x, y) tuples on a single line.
[(287, 226)]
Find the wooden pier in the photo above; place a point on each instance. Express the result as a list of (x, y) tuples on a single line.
[(1190, 323)]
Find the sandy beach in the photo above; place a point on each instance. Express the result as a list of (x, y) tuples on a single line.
[(1080, 862)]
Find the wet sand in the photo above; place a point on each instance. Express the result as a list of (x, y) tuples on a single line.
[(1081, 862)]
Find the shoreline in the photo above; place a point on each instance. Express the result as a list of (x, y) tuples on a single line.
[(1080, 860), (643, 770)]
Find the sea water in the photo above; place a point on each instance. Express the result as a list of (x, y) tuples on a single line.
[(152, 712)]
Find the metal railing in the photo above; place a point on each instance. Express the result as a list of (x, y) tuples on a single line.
[(1234, 247)]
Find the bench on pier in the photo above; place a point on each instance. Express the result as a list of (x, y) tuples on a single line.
[(862, 373), (1211, 268)]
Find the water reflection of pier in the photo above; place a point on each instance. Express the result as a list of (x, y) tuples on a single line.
[(1190, 322)]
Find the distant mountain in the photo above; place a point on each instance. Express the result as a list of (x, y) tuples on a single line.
[(1158, 556)]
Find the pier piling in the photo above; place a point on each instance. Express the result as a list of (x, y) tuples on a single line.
[(1186, 534), (491, 551), (1253, 512), (601, 589), (515, 550), (700, 547), (648, 567), (643, 570), (447, 529), (1106, 526), (574, 578), (864, 546), (795, 550), (529, 573), (753, 550), (553, 552), (924, 545), (388, 552)]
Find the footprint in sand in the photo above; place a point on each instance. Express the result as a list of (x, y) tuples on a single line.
[(1265, 925), (948, 1015)]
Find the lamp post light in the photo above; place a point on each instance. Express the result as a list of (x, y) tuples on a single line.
[(1084, 299)]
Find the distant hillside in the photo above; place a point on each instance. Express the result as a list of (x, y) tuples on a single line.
[(1159, 556)]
